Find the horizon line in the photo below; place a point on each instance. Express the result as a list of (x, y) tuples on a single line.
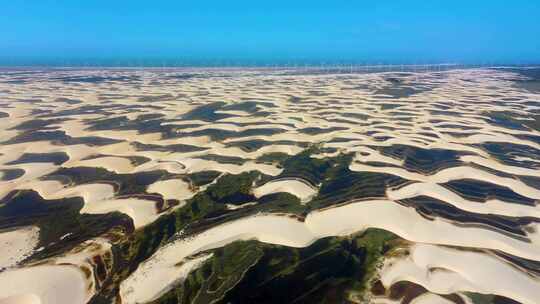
[(329, 66), (326, 67)]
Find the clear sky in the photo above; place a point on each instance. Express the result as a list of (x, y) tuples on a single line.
[(331, 30)]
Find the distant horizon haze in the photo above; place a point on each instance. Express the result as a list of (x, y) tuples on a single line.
[(178, 33)]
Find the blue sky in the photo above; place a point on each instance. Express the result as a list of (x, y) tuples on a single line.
[(364, 31)]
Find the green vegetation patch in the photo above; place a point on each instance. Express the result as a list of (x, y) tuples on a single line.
[(217, 276), (331, 270), (233, 189), (55, 219), (196, 215), (125, 184), (273, 158), (132, 250), (302, 165), (203, 177), (347, 263)]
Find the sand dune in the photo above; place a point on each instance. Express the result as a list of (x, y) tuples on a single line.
[(22, 299), (429, 298), (17, 245), (171, 189), (500, 167), (67, 286), (455, 173), (491, 206), (337, 221), (141, 211), (137, 122), (299, 188), (59, 280), (115, 164), (444, 270)]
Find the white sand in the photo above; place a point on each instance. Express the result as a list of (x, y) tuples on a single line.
[(59, 280), (384, 301), (343, 220), (237, 152), (445, 270), (491, 206), (32, 172), (171, 189), (374, 155), (115, 164), (455, 173), (235, 207), (174, 274), (297, 187), (489, 163), (21, 299), (141, 211), (430, 298), (17, 245), (193, 165), (59, 284), (159, 272), (50, 190)]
